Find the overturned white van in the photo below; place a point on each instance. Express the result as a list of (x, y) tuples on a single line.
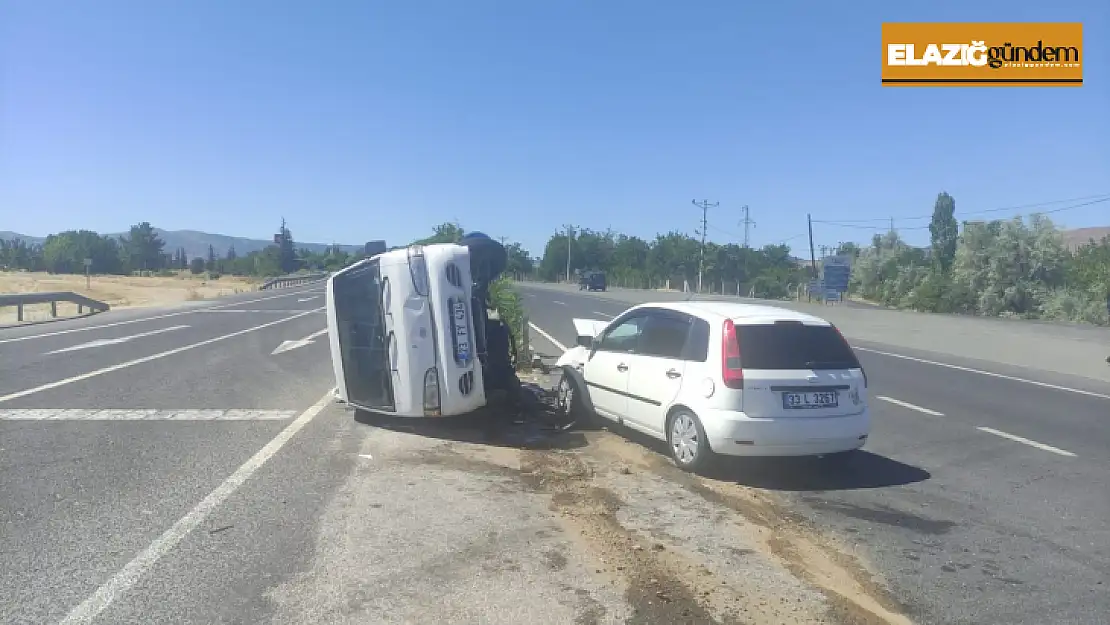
[(410, 334)]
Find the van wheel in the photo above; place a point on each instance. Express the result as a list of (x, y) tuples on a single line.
[(569, 400), (687, 442)]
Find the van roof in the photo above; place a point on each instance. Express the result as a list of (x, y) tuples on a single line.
[(739, 312)]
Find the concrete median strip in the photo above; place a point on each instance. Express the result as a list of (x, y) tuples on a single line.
[(130, 414)]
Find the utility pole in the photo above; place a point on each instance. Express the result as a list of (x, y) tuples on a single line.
[(704, 205), (570, 238), (812, 252), (892, 225), (748, 223)]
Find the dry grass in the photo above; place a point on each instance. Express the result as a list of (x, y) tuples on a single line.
[(117, 291)]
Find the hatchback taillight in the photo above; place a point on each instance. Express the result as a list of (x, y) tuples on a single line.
[(861, 369), (731, 371)]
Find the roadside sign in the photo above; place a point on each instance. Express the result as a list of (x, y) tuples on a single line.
[(835, 272), (88, 263)]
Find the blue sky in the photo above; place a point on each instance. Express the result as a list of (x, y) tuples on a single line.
[(363, 120)]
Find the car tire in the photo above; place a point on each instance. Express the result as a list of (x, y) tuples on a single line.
[(568, 395), (686, 440)]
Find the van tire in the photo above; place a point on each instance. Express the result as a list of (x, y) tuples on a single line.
[(679, 423)]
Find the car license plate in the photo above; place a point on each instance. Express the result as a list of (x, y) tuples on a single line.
[(462, 331), (818, 399)]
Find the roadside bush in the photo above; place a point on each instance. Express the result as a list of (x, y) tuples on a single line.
[(506, 301)]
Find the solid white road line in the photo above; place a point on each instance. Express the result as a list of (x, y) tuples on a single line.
[(131, 414), (1031, 443), (143, 319), (130, 574), (115, 341), (987, 373), (547, 336), (139, 361), (906, 404)]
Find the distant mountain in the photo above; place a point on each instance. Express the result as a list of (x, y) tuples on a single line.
[(1081, 236), (196, 243)]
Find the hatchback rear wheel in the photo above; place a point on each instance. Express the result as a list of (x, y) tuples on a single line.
[(688, 444)]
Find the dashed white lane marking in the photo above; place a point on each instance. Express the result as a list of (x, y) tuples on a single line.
[(130, 574), (906, 404), (547, 336), (1026, 441), (992, 374), (254, 310), (128, 414), (607, 315), (555, 301), (366, 456), (151, 318), (115, 341), (139, 361)]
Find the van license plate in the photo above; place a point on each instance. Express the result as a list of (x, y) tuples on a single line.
[(462, 331), (822, 399)]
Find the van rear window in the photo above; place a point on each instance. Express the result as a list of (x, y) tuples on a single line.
[(793, 345)]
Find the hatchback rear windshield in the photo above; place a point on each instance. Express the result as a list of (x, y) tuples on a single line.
[(793, 345)]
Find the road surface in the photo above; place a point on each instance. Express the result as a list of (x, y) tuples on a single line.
[(982, 498), (189, 465)]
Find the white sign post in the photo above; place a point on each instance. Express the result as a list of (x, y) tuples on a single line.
[(88, 263)]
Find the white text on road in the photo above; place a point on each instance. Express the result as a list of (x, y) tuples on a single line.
[(115, 341)]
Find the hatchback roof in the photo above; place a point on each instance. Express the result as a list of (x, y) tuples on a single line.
[(738, 311)]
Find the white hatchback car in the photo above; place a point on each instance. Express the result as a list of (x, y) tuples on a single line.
[(720, 378)]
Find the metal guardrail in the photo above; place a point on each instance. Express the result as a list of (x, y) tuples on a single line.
[(19, 300), (295, 280)]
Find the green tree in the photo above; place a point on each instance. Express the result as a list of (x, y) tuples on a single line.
[(287, 253), (141, 248), (944, 231)]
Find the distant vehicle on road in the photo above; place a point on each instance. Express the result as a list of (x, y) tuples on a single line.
[(592, 281), (724, 378), (410, 334)]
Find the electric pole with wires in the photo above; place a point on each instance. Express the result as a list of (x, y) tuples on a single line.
[(704, 205), (748, 224)]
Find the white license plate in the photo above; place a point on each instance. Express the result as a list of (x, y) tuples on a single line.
[(462, 332), (818, 399)]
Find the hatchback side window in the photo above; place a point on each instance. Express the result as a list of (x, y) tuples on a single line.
[(664, 335), (623, 337)]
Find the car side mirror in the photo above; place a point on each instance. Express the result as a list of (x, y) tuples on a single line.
[(585, 341)]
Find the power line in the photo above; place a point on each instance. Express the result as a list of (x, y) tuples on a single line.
[(847, 223), (1100, 197)]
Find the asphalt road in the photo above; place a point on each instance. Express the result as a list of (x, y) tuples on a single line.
[(167, 466), (982, 498)]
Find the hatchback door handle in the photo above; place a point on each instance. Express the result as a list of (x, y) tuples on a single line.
[(671, 373), (622, 367)]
